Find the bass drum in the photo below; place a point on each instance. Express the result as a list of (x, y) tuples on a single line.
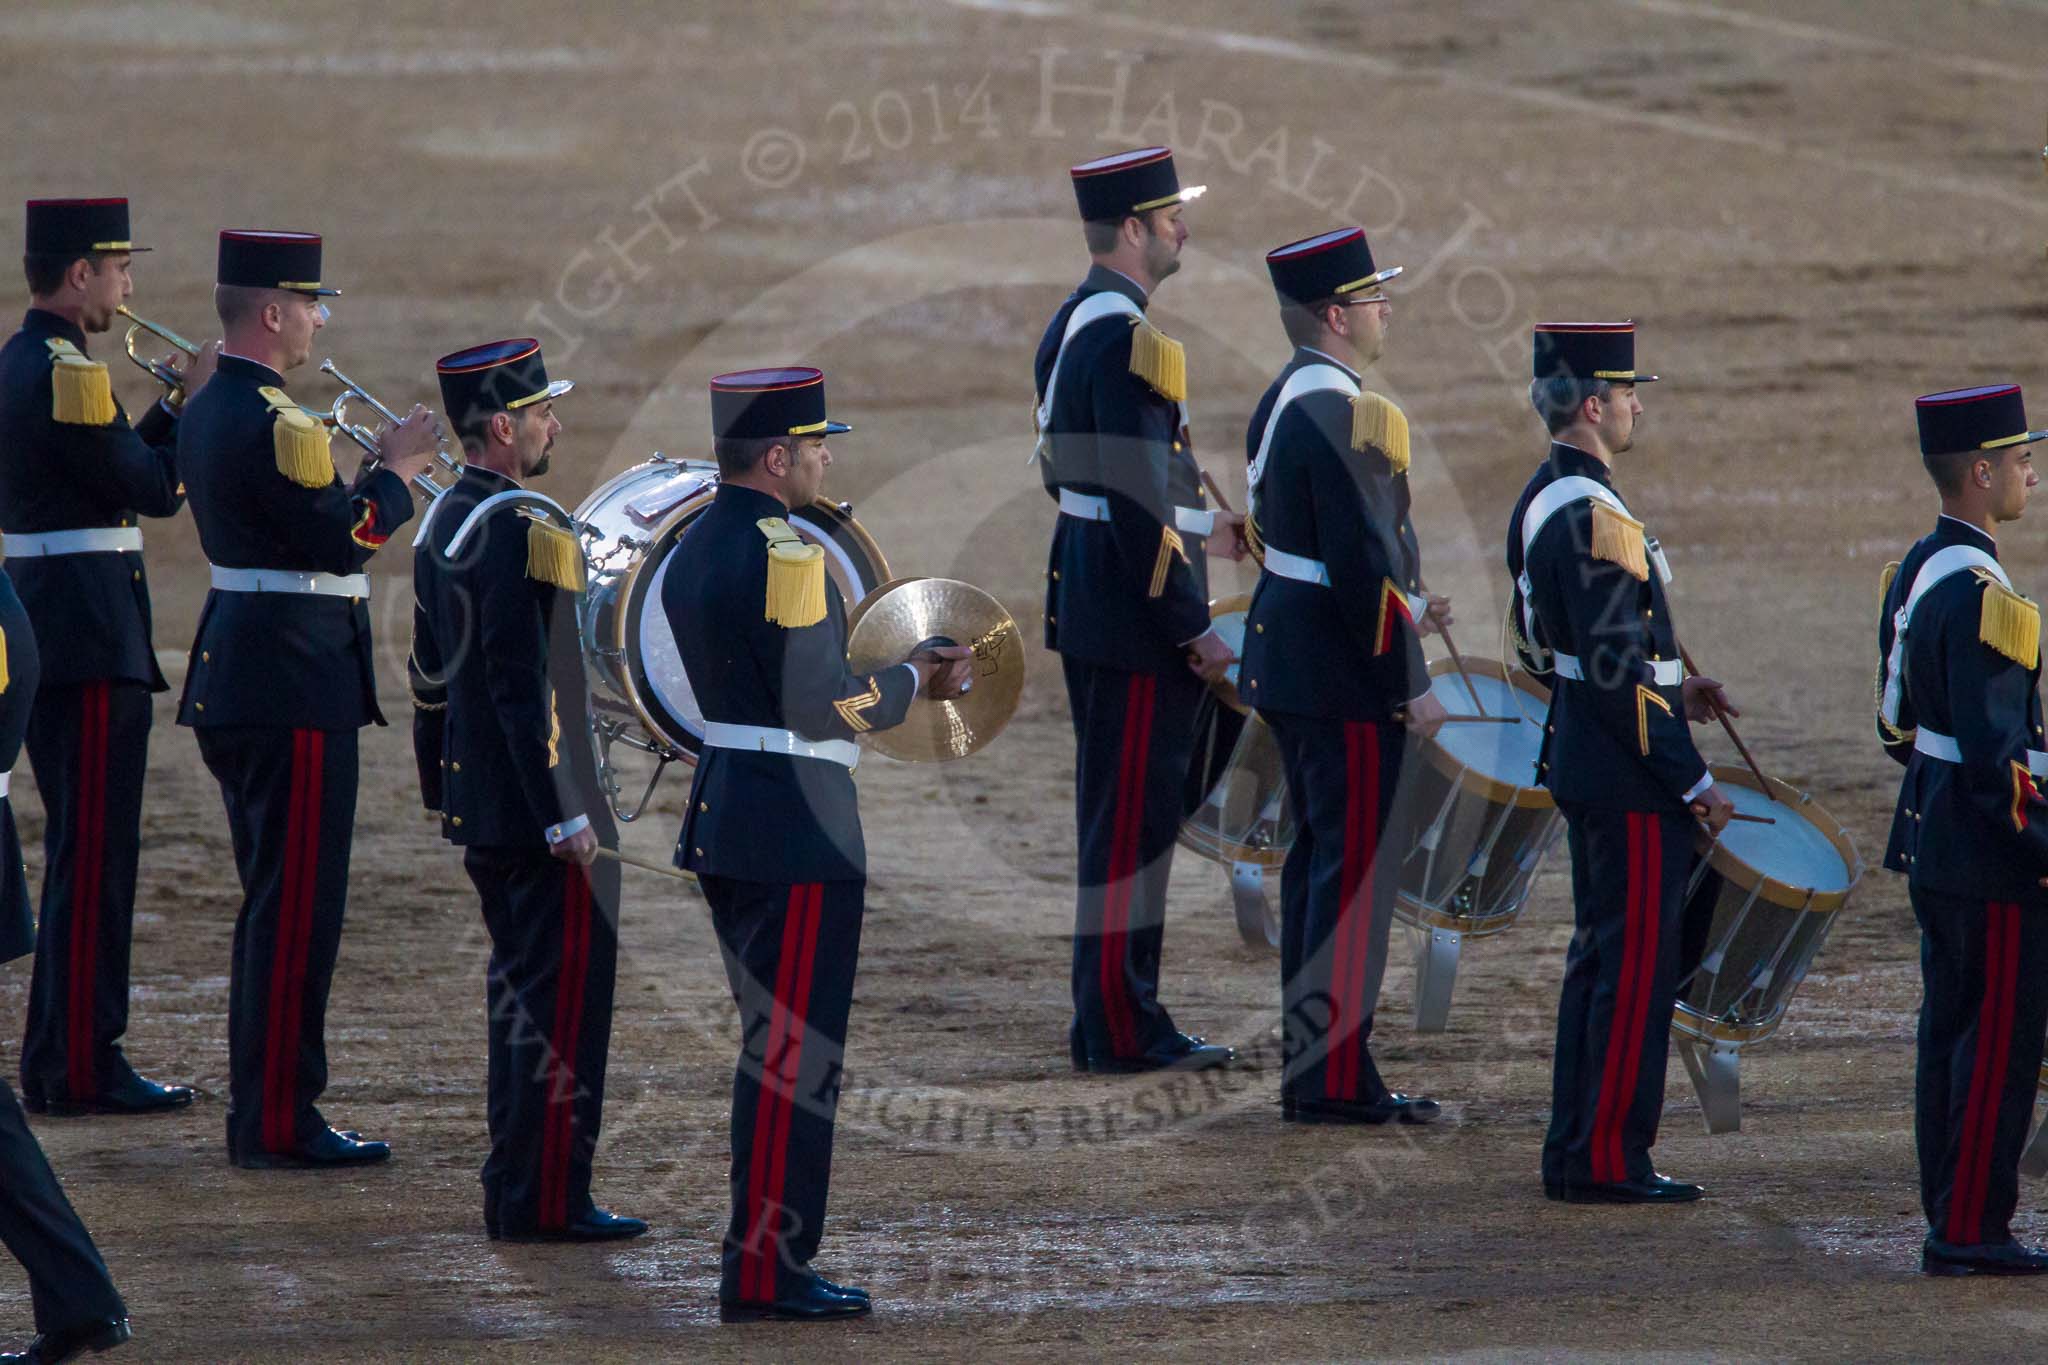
[(631, 525)]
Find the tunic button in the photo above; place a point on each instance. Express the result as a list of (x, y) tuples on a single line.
[(1176, 447), (1051, 621), (1255, 682), (137, 575), (699, 852), (444, 762), (1552, 729), (456, 821), (199, 705), (456, 766), (1260, 627), (1055, 575), (205, 656)]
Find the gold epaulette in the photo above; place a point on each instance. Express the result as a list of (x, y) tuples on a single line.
[(1159, 360), (553, 555), (80, 392), (796, 576), (2008, 622), (1618, 539), (1884, 582), (1170, 544), (3, 661), (1377, 423), (300, 441)]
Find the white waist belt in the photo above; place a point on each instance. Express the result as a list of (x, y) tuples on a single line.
[(6, 781), (720, 735), (1944, 747), (288, 580), (94, 540), (1193, 521), (1300, 568), (1664, 672)]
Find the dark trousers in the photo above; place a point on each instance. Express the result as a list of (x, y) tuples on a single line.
[(1133, 736), (789, 956), (291, 804), (67, 1280), (89, 745), (1629, 870), (1337, 899), (554, 953), (1984, 965)]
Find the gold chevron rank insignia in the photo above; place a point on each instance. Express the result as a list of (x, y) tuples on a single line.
[(1646, 697), (1170, 544), (852, 709)]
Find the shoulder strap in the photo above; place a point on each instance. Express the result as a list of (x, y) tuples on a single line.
[(1942, 564), (1314, 378), (1107, 304), (1557, 495), (523, 497)]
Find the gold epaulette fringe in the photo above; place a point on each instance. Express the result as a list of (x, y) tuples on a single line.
[(1884, 583), (2010, 624), (3, 661), (1618, 539), (1377, 423), (1169, 545), (80, 392), (300, 441), (1160, 361), (796, 576), (553, 555)]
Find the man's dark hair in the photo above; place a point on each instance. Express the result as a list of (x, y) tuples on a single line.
[(235, 303), (742, 455), (45, 270), (1303, 322), (1101, 234), (1951, 467), (472, 427), (1557, 401)]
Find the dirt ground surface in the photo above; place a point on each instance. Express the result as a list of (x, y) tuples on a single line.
[(1815, 209)]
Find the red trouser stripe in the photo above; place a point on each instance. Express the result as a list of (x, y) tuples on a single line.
[(791, 1071), (1987, 1076), (88, 854), (1125, 835), (1652, 912), (1613, 1105), (757, 1262), (558, 1126), (292, 934), (1351, 945)]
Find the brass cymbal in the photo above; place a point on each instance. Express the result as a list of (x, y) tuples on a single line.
[(900, 615)]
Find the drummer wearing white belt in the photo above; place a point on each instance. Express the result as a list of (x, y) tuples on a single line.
[(1333, 663), (1959, 672), (1620, 761)]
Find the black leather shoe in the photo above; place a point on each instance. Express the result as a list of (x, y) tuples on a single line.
[(72, 1342), (1996, 1258), (1396, 1106), (1656, 1190), (328, 1149), (810, 1301), (595, 1225), (132, 1094), (844, 1291), (1182, 1051)]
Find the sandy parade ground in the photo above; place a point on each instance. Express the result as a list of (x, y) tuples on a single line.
[(1814, 210)]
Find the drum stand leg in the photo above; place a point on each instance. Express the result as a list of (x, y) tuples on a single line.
[(1436, 972), (2034, 1160), (1256, 922), (1715, 1075)]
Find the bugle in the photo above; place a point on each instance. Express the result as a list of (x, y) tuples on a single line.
[(360, 433), (156, 369)]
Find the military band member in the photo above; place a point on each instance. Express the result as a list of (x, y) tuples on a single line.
[(1333, 664), (77, 1308), (1960, 707), (279, 678), (502, 732), (75, 479), (1127, 600), (1619, 760), (772, 828)]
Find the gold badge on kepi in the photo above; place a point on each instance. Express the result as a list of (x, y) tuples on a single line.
[(897, 618)]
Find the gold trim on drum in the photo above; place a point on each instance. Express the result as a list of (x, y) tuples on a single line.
[(1688, 1024), (843, 514), (1225, 690), (1533, 797), (1741, 874)]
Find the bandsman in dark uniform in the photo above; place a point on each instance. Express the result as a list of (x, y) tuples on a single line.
[(1333, 663), (502, 732), (1618, 758), (1126, 600), (75, 479), (1960, 651), (77, 1308), (280, 680), (773, 829)]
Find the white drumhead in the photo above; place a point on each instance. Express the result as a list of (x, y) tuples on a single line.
[(1794, 850), (659, 658), (1230, 626), (1505, 753)]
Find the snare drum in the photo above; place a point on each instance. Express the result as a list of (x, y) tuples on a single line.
[(635, 520), (1758, 908)]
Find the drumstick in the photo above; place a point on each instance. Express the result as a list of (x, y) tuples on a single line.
[(1754, 819), (1459, 660), (1685, 657), (645, 866), (1482, 720)]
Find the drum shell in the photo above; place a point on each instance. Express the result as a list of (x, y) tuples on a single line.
[(1234, 802)]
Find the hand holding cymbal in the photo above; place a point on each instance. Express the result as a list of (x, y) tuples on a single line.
[(941, 619)]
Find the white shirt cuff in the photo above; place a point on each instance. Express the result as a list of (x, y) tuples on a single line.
[(568, 829), (1189, 643), (1692, 793), (916, 681)]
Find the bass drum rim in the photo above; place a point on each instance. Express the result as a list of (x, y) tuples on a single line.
[(1739, 873)]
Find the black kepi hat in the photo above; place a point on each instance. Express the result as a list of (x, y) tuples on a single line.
[(784, 400), (74, 227), (498, 376), (1111, 188), (1329, 265), (1990, 417), (259, 259), (1588, 351)]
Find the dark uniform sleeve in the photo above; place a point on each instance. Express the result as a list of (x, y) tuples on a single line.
[(134, 467), (1896, 739), (824, 699), (1359, 535), (512, 636), (339, 528), (425, 680), (1987, 697), (1135, 434), (1600, 601)]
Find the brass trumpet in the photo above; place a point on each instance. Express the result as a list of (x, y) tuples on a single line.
[(156, 369), (360, 433)]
